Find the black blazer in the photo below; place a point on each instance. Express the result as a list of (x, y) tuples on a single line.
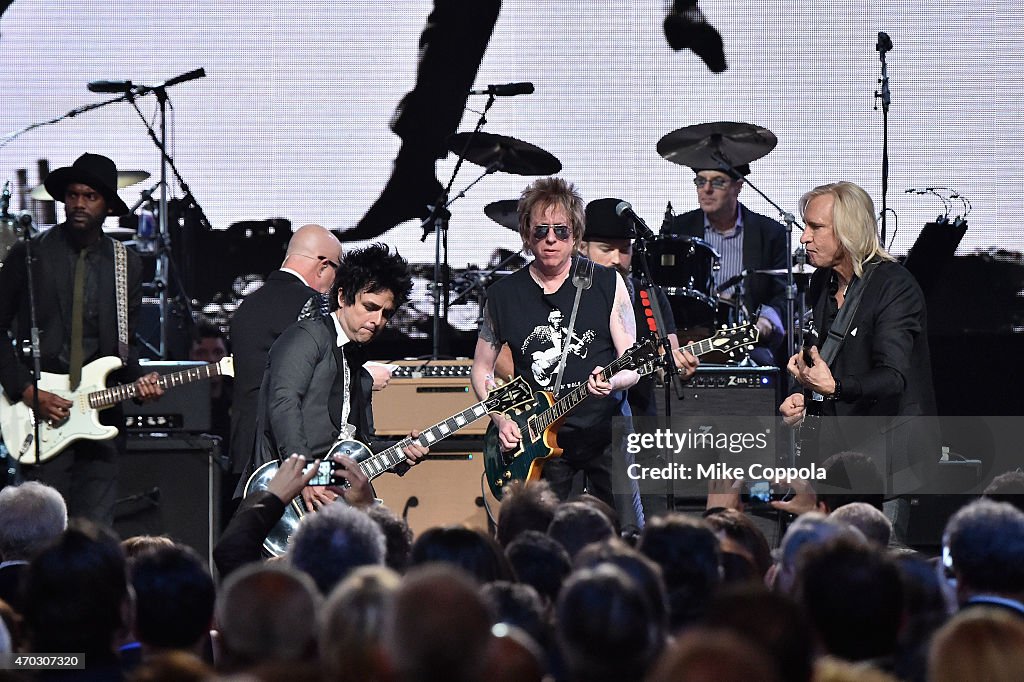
[(257, 323), (884, 367), (300, 402), (53, 282), (764, 248)]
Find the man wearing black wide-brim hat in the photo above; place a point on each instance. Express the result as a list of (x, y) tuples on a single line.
[(74, 277)]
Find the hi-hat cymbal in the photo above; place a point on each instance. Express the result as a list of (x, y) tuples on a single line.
[(506, 154), (504, 213), (124, 179), (706, 145), (798, 269)]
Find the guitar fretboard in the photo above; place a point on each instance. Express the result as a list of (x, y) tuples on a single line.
[(387, 459), (115, 394), (580, 393)]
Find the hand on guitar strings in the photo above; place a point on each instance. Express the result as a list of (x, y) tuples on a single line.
[(290, 480), (358, 493), (148, 387), (792, 409), (686, 362), (619, 382), (509, 435), (414, 452), (815, 376), (52, 407)]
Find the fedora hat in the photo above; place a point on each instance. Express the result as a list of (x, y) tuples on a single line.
[(93, 170), (604, 223)]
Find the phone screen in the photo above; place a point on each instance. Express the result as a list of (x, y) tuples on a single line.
[(323, 476)]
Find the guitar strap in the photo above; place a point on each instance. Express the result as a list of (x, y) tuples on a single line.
[(844, 318), (121, 287), (582, 278)]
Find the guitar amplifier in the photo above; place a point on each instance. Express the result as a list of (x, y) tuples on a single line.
[(726, 390), (423, 393), (181, 408)]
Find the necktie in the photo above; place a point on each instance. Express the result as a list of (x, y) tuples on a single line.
[(77, 312)]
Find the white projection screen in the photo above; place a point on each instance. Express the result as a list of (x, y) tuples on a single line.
[(292, 118)]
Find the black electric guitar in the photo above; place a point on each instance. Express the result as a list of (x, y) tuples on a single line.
[(507, 398), (807, 443), (539, 427)]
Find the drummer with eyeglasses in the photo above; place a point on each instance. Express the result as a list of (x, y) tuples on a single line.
[(745, 241)]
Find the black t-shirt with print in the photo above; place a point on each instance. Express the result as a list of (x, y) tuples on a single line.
[(535, 326)]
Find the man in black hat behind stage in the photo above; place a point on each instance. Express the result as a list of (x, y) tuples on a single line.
[(608, 240), (74, 276), (746, 241)]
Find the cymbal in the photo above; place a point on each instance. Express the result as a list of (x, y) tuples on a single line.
[(507, 154), (701, 145), (504, 213), (124, 179), (798, 269)]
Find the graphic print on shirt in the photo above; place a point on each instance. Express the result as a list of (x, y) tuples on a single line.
[(546, 343)]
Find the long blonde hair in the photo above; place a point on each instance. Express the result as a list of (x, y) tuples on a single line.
[(853, 219)]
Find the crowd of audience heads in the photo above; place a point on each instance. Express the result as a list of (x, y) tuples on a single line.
[(556, 593)]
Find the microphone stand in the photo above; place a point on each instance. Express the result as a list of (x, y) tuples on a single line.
[(438, 221), (166, 161), (884, 45), (34, 336), (668, 363)]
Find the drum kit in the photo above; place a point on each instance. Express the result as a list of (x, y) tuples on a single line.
[(686, 267)]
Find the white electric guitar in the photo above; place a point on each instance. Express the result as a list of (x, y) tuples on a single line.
[(91, 396)]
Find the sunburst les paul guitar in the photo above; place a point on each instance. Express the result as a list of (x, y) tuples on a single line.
[(17, 420), (507, 399), (539, 427)]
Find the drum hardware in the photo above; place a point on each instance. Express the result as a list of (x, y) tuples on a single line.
[(685, 269), (726, 145), (507, 153), (800, 270), (504, 212), (494, 153)]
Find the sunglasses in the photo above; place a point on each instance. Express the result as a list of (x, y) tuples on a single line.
[(716, 184), (324, 259), (540, 232)]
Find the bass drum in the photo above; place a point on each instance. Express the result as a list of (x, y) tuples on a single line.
[(685, 269)]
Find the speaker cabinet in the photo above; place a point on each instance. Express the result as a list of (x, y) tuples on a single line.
[(422, 394), (442, 490), (727, 391), (170, 486)]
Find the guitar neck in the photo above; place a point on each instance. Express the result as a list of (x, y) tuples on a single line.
[(116, 394), (387, 459), (576, 396)]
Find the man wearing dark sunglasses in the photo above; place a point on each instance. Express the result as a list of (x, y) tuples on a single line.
[(521, 311), (745, 241)]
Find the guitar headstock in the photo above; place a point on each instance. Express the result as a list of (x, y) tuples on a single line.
[(226, 366), (740, 337), (509, 397), (643, 357)]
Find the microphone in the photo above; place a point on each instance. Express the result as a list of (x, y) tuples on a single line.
[(185, 77), (884, 42), (110, 86), (625, 210), (413, 501), (505, 90)]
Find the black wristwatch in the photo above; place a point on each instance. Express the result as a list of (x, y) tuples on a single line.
[(838, 390)]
